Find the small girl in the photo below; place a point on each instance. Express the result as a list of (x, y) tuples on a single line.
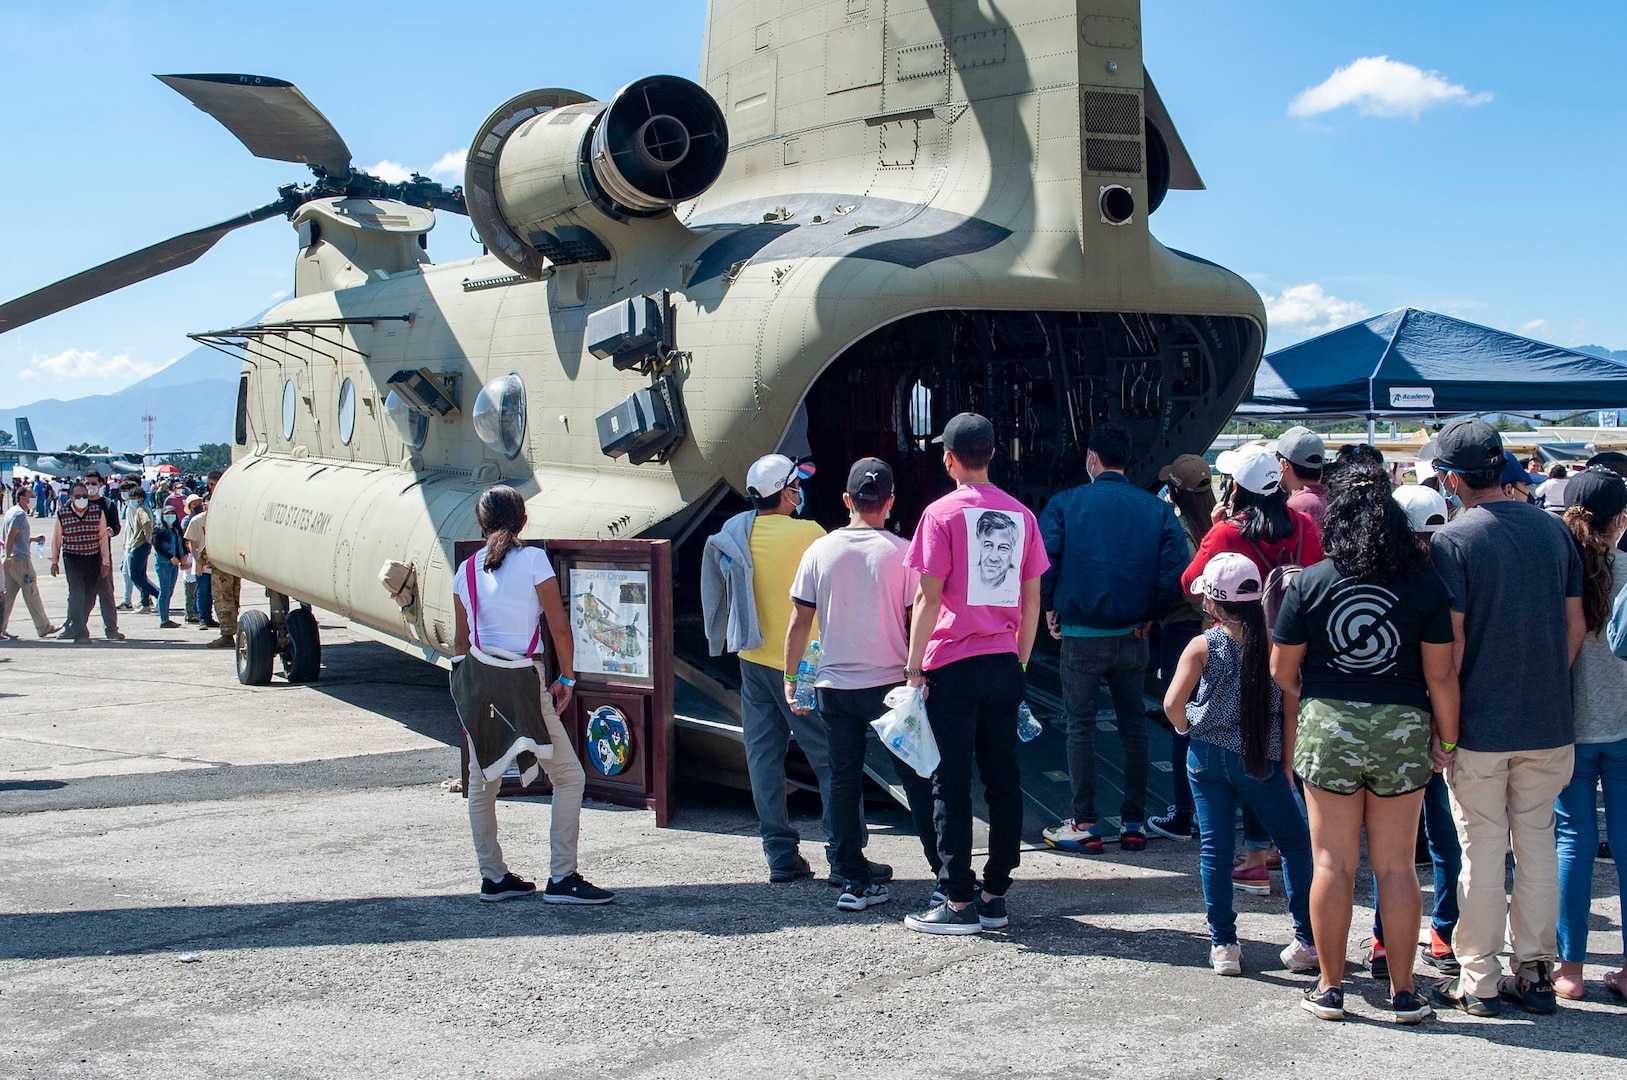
[(1239, 753)]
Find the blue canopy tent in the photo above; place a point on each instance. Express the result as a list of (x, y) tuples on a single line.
[(1413, 363)]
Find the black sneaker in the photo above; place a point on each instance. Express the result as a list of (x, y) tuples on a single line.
[(114, 635), (791, 871), (1534, 994), (1447, 996), (1409, 1008), (880, 874), (856, 896), (124, 607), (1175, 825), (991, 914), (508, 888), (1446, 963), (1323, 1004), (1604, 852), (943, 919), (575, 889)]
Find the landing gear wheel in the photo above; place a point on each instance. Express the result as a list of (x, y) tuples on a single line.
[(256, 643), (302, 659)]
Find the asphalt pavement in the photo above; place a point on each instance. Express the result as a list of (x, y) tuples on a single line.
[(200, 879)]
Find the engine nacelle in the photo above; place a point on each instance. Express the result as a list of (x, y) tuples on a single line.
[(551, 167)]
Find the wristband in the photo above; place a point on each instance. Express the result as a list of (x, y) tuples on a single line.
[(914, 673), (790, 678), (566, 682), (1448, 746)]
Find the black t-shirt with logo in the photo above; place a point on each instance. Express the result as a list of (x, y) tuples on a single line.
[(1362, 641)]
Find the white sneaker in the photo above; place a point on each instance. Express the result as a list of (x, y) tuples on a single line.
[(857, 897), (1300, 958), (1226, 959), (1071, 836)]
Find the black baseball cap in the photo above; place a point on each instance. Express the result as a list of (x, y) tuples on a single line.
[(1614, 460), (870, 480), (1599, 490), (1469, 446), (967, 433)]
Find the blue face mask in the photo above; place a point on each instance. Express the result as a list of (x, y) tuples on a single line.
[(801, 499)]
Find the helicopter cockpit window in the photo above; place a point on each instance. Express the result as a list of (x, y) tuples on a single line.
[(347, 411), (290, 407), (499, 414), (410, 427)]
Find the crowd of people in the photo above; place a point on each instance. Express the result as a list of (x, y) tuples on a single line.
[(160, 525), (1335, 648)]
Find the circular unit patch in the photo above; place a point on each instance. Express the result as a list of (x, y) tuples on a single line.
[(610, 741)]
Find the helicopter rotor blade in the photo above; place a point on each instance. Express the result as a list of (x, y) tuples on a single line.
[(269, 116), (162, 257)]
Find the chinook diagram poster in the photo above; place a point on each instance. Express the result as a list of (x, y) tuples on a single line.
[(610, 621)]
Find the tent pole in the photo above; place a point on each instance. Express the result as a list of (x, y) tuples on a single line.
[(1372, 429)]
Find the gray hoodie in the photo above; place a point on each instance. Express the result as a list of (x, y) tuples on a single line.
[(727, 602)]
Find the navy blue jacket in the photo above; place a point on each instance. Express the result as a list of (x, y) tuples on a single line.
[(1117, 554)]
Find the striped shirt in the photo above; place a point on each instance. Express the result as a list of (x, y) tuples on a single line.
[(81, 535)]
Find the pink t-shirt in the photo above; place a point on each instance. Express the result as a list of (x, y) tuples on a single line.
[(984, 544)]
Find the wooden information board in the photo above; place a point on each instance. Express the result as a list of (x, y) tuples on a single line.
[(618, 601)]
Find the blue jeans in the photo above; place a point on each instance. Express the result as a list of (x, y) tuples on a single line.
[(166, 586), (1445, 855), (1576, 829), (1121, 662), (768, 724), (1172, 642), (205, 610), (135, 573), (1219, 783)]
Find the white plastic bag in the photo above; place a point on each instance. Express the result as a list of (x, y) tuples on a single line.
[(904, 729)]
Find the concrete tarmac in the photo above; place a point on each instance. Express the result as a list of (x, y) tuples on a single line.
[(199, 879)]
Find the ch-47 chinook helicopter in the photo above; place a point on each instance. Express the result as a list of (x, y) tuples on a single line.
[(869, 215)]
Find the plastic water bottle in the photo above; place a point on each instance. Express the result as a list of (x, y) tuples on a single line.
[(1028, 725), (805, 676)]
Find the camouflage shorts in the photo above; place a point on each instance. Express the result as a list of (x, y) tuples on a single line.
[(1344, 746)]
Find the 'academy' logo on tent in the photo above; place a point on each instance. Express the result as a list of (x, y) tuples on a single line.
[(1412, 397)]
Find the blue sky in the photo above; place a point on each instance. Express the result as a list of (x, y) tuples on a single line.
[(1472, 171)]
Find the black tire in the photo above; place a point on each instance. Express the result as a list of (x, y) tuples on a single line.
[(256, 645), (302, 660)]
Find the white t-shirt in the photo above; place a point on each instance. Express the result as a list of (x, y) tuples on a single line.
[(857, 580), (506, 601)]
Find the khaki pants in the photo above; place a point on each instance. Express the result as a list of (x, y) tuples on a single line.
[(225, 587), (1499, 801), (20, 580), (565, 827)]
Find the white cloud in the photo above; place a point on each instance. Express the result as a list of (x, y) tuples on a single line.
[(448, 169), (1307, 309), (391, 172), (280, 294), (76, 364), (1379, 86), (1535, 326)]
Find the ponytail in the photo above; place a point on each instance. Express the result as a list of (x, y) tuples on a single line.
[(1254, 696), (1598, 565), (501, 515)]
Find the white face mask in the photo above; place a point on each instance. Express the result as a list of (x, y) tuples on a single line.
[(80, 503)]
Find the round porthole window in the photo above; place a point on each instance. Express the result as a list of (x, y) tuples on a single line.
[(347, 411), (499, 414), (410, 427), (290, 405)]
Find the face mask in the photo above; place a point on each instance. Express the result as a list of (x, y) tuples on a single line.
[(169, 519), (801, 499), (1452, 499), (80, 503)]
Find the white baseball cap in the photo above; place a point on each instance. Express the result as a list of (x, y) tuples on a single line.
[(1229, 577), (769, 474), (1252, 467), (1426, 509)]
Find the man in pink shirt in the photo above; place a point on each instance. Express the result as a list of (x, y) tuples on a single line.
[(980, 557), (1302, 454)]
